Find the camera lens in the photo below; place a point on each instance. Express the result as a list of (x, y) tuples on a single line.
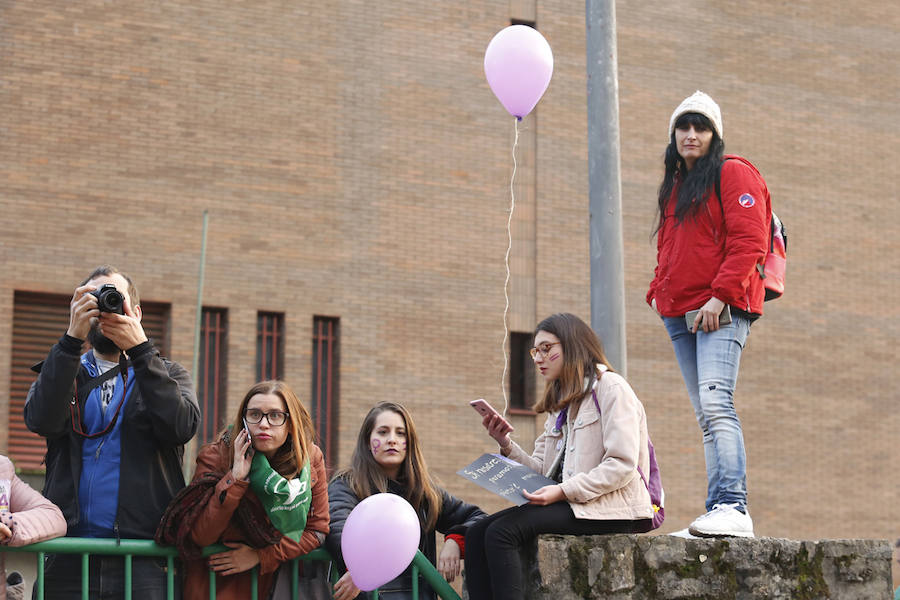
[(109, 299)]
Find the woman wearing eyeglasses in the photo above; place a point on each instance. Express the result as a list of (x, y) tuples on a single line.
[(387, 458), (260, 489), (594, 440)]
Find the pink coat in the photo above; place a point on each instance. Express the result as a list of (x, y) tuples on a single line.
[(29, 516)]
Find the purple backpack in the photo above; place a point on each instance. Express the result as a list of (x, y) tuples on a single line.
[(654, 484)]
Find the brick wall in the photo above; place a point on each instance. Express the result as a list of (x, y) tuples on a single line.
[(354, 163)]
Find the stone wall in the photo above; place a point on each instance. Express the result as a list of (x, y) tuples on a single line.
[(627, 567)]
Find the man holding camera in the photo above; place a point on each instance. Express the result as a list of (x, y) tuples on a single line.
[(115, 419)]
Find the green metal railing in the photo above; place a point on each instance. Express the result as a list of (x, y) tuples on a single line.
[(131, 548)]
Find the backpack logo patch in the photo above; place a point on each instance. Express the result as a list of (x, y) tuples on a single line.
[(746, 200)]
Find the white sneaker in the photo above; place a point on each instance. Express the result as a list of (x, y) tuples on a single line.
[(723, 520), (684, 533)]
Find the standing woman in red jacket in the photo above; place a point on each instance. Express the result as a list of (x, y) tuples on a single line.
[(708, 249)]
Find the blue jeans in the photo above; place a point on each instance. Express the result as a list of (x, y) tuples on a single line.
[(709, 364)]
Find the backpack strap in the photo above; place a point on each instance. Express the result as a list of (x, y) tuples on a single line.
[(760, 267), (88, 386)]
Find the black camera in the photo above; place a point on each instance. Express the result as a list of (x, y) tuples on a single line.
[(109, 299)]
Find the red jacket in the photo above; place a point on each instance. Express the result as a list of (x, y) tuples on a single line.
[(715, 252)]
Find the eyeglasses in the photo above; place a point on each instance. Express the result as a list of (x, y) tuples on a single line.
[(276, 418), (543, 349)]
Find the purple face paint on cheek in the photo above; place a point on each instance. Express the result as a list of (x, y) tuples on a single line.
[(554, 357), (376, 444)]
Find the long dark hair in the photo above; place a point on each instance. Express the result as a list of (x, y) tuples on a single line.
[(696, 185), (289, 459), (582, 352), (365, 476)]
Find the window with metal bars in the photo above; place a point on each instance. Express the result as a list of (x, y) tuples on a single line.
[(325, 370), (212, 371), (269, 346), (521, 372)]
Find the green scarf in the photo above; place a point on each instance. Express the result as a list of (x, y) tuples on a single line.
[(286, 502)]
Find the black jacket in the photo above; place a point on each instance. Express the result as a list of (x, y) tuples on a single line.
[(160, 416), (456, 517)]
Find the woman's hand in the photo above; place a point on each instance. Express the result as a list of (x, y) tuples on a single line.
[(6, 534), (345, 589), (242, 458), (499, 429), (241, 558), (653, 306), (448, 561), (708, 315), (546, 495)]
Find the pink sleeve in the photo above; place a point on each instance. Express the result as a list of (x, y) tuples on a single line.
[(32, 518)]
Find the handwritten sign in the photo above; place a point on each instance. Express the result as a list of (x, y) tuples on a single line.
[(504, 477)]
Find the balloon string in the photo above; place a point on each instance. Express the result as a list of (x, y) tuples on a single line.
[(512, 207)]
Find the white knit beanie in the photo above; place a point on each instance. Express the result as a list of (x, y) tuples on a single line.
[(698, 102)]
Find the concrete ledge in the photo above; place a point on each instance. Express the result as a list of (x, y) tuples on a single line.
[(628, 567)]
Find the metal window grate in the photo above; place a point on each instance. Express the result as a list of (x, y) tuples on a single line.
[(325, 370), (212, 366), (269, 346)]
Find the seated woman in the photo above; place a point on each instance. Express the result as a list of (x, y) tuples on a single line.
[(594, 441), (387, 458), (26, 517), (260, 489)]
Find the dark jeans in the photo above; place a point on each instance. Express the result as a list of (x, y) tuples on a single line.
[(493, 560), (62, 578)]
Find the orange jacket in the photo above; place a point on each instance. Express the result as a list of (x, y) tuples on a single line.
[(214, 525)]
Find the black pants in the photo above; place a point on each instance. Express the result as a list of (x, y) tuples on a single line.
[(493, 562), (62, 578)]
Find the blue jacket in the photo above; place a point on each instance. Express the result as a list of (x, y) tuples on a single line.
[(98, 490)]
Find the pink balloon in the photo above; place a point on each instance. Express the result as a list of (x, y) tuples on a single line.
[(518, 64), (380, 539)]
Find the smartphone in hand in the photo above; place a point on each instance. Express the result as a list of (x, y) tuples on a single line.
[(249, 438), (724, 317), (483, 408)]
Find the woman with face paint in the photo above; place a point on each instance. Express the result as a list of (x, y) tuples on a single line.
[(712, 236), (387, 458), (261, 490), (594, 441)]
